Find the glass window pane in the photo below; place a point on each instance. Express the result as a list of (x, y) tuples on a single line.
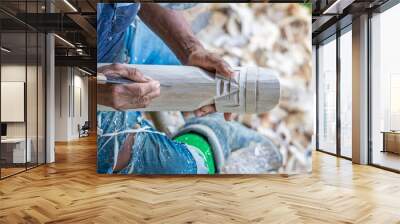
[(346, 94), (327, 97), (14, 153), (23, 86), (385, 89)]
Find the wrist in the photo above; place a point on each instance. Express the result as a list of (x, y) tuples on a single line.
[(191, 46)]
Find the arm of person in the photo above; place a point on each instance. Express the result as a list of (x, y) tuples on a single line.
[(172, 27)]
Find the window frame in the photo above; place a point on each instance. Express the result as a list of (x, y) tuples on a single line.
[(334, 37), (381, 9)]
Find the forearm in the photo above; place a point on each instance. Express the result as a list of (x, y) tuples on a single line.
[(171, 27)]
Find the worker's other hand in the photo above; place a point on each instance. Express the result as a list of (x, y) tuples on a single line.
[(127, 96), (213, 63)]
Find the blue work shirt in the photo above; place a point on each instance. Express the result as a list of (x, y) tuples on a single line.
[(123, 38), (113, 31)]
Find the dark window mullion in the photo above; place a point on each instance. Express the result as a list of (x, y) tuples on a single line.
[(338, 78), (37, 89), (0, 93), (317, 96), (369, 100), (26, 86)]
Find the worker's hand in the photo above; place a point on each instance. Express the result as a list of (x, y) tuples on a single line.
[(213, 63), (126, 96)]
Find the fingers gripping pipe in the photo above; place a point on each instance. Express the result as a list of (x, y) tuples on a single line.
[(187, 88)]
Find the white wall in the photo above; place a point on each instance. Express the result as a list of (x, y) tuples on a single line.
[(80, 103), (71, 93), (33, 127), (61, 104), (16, 73)]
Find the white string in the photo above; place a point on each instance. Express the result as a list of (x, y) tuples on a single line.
[(131, 131), (127, 131), (114, 135)]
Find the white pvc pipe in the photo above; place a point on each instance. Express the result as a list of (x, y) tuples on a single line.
[(187, 88)]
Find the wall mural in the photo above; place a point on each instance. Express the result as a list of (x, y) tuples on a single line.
[(204, 88)]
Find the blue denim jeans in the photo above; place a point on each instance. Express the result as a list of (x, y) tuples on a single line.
[(152, 151)]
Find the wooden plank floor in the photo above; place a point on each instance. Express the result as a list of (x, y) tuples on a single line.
[(70, 191)]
